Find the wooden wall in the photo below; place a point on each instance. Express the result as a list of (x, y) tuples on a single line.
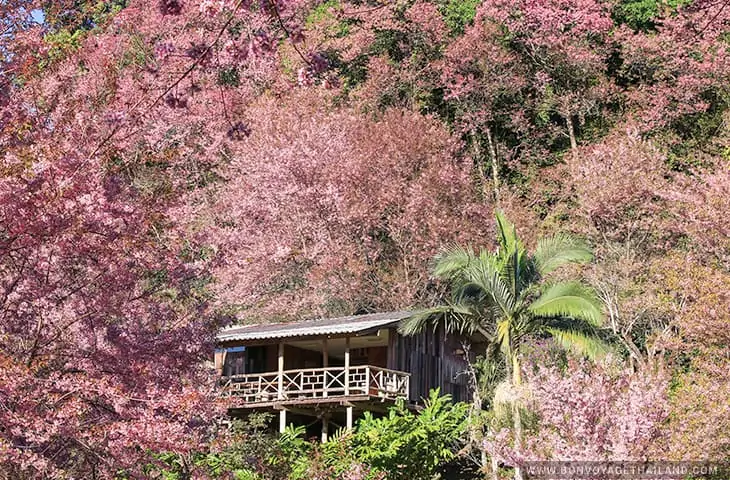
[(378, 356), (431, 361)]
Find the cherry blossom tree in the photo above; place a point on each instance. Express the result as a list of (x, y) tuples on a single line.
[(679, 70), (595, 414), (588, 412), (328, 210), (105, 315), (563, 46), (699, 206), (618, 184), (102, 329), (699, 296)]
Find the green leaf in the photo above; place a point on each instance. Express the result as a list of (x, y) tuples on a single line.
[(452, 261), (568, 299), (579, 342), (454, 318), (506, 232), (490, 281), (554, 252)]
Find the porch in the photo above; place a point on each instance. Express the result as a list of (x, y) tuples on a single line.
[(315, 386)]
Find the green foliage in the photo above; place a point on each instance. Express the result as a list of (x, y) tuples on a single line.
[(68, 27), (86, 14), (60, 44), (641, 15), (489, 375), (402, 445), (546, 107), (322, 14), (352, 73), (409, 446), (692, 137), (394, 43), (138, 54), (294, 452), (229, 77), (458, 14), (637, 14), (252, 453)]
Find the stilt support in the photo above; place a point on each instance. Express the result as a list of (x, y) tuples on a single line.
[(325, 427), (282, 420), (349, 418)]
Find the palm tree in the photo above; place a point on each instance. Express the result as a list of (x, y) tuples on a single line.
[(503, 296)]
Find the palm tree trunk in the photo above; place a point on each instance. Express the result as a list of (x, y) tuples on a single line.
[(516, 416)]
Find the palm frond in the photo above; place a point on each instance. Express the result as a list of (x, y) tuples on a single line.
[(514, 268), (579, 342), (454, 318), (487, 277), (513, 259), (530, 274), (452, 261), (570, 323), (554, 252), (568, 299), (506, 232), (419, 321)]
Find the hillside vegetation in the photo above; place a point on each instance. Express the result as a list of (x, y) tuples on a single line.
[(168, 167)]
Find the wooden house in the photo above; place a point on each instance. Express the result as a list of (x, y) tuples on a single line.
[(333, 369)]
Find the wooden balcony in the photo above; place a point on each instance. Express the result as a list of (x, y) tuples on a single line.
[(315, 385)]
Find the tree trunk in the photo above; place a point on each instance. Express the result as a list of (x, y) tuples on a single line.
[(516, 416), (571, 132), (477, 152), (495, 166)]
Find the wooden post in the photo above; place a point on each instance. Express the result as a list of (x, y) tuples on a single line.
[(220, 361), (347, 382), (347, 366), (280, 376), (325, 427), (325, 364), (349, 417), (280, 388)]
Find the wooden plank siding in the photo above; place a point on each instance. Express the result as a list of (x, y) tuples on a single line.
[(431, 360)]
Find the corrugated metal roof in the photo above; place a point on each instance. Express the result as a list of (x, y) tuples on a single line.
[(322, 326)]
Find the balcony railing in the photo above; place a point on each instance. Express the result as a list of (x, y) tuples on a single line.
[(316, 383)]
